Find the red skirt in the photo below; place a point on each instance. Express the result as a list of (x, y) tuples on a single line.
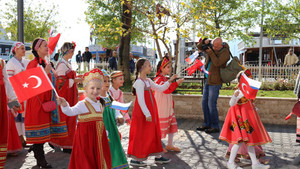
[(13, 142), (144, 137), (91, 147), (242, 124), (3, 124)]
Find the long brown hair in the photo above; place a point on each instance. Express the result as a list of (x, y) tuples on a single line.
[(138, 66), (34, 52)]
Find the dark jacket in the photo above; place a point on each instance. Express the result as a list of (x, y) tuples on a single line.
[(78, 58), (112, 63), (132, 65), (218, 60), (87, 56)]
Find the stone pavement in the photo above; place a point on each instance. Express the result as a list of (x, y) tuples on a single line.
[(199, 150)]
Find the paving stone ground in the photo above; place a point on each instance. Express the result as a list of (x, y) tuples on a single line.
[(198, 150)]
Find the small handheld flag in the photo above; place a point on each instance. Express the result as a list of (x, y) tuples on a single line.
[(121, 106), (249, 87), (192, 69), (192, 58)]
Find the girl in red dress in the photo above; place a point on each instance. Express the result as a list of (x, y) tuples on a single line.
[(66, 87), (6, 94), (243, 125), (91, 147), (165, 103), (145, 136), (42, 126)]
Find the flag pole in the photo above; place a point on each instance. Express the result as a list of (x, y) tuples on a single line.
[(50, 83)]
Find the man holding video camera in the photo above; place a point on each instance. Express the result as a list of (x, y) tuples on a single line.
[(217, 56)]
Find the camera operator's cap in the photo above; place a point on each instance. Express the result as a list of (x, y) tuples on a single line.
[(164, 62), (95, 74), (116, 74)]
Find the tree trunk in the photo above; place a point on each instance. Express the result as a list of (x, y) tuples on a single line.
[(156, 40), (124, 48)]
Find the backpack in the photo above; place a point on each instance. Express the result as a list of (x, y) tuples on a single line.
[(231, 70)]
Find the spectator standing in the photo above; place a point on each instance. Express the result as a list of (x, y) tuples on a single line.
[(216, 59), (78, 59), (290, 58), (87, 56), (131, 63), (112, 62)]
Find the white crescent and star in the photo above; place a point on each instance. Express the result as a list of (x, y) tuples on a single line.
[(39, 82), (243, 84)]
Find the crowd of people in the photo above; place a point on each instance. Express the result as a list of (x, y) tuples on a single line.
[(88, 128)]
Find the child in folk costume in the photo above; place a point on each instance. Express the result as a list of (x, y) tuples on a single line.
[(243, 150), (40, 125), (90, 147), (165, 104), (243, 125), (110, 118), (145, 135), (66, 87), (15, 65), (8, 97), (117, 81)]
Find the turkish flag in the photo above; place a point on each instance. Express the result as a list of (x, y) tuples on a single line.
[(52, 43), (192, 69), (30, 83), (249, 87)]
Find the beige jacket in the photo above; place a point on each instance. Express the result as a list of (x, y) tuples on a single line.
[(290, 60)]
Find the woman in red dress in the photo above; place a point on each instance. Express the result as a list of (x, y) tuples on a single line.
[(243, 125), (145, 135), (6, 93), (40, 125), (66, 87)]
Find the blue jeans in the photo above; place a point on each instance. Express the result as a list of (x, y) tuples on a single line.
[(209, 105)]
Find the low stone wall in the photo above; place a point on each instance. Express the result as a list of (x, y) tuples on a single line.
[(270, 110)]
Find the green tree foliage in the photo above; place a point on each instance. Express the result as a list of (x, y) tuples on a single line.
[(225, 18), (38, 19), (105, 19), (282, 19)]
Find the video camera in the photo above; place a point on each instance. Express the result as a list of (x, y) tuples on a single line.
[(205, 46)]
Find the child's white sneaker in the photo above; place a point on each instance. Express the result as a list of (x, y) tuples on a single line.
[(260, 166), (233, 166)]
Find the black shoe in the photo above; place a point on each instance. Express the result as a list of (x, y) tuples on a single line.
[(69, 151), (44, 165), (162, 160), (202, 128), (137, 163), (212, 130)]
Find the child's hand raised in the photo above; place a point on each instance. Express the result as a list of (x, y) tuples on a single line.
[(236, 93), (173, 78), (179, 81), (61, 101), (149, 119)]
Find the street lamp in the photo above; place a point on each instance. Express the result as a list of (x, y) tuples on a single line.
[(20, 20)]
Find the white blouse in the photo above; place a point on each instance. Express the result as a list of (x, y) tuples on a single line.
[(139, 86), (10, 93), (80, 107), (234, 99), (62, 69), (116, 94), (14, 66)]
